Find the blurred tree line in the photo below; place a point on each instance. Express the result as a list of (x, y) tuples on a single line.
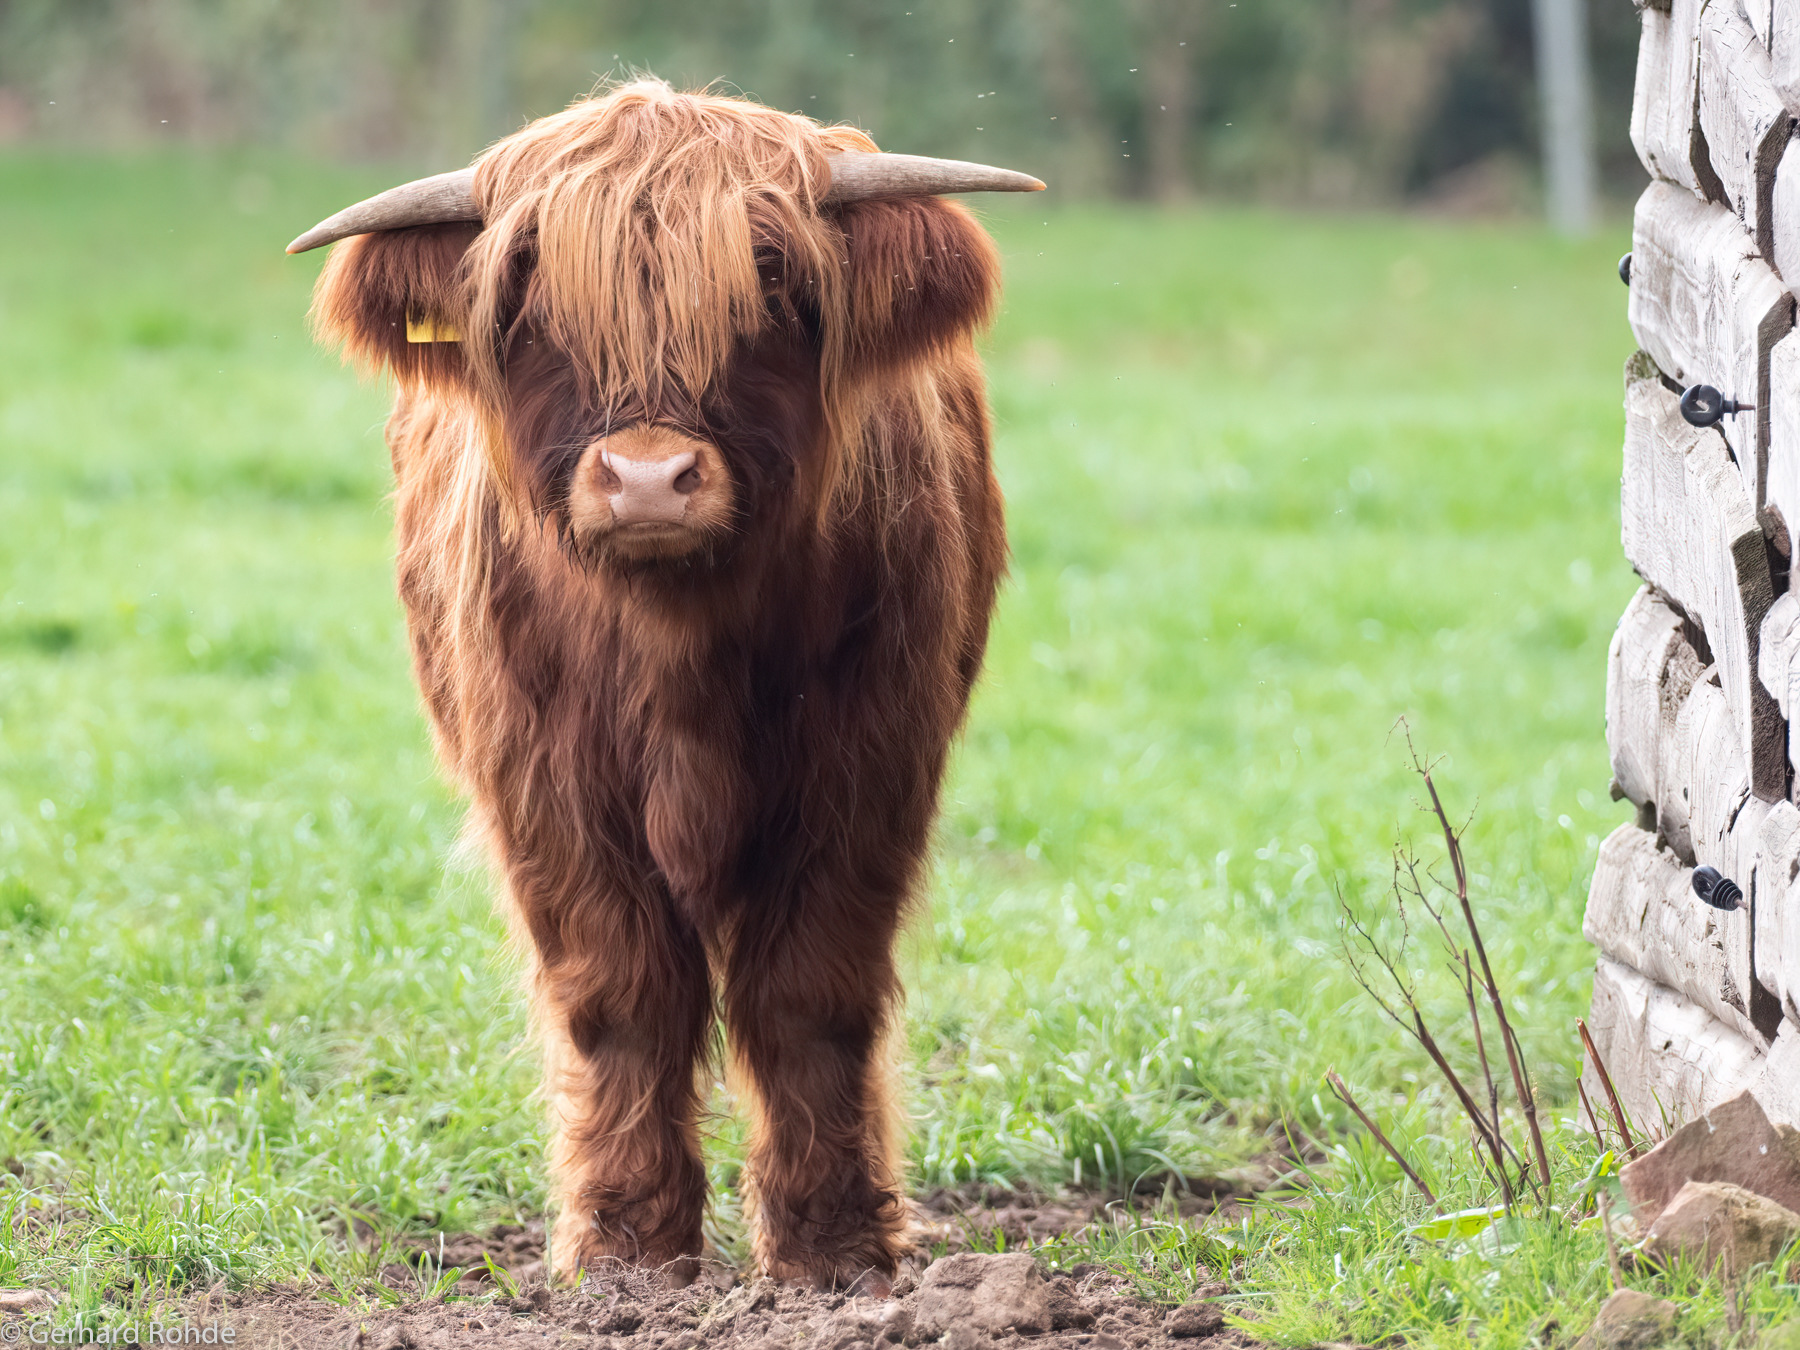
[(1329, 102)]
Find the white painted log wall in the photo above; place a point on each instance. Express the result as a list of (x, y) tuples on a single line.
[(1665, 94), (1642, 912), (1784, 50), (1708, 309), (1703, 676), (1783, 478), (1777, 907), (1688, 528), (1742, 118), (1649, 669), (1671, 1060)]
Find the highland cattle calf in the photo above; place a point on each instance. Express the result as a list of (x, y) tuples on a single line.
[(698, 543)]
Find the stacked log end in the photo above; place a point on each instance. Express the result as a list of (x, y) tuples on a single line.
[(1695, 1003)]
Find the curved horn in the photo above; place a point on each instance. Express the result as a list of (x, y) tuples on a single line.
[(858, 175), (855, 176), (424, 201)]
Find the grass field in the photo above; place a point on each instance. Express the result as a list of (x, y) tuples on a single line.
[(1274, 481)]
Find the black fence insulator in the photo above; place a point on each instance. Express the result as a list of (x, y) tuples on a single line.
[(1702, 405), (1625, 269), (1719, 891)]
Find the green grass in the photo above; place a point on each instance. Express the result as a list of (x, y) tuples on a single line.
[(1274, 481)]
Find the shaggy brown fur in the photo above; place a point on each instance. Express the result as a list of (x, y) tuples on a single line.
[(707, 769)]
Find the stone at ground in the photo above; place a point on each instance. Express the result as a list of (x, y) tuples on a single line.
[(1721, 1224), (25, 1301), (1199, 1317), (1733, 1142), (984, 1292), (1630, 1320)]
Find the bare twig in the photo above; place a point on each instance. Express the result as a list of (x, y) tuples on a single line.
[(1413, 1023), (1343, 1094), (1521, 1085), (1593, 1124), (1604, 1199), (1612, 1096), (1487, 1076)]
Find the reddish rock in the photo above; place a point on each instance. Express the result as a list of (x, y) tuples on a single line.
[(1733, 1142), (1720, 1223)]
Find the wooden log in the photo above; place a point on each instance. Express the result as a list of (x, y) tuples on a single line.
[(1782, 489), (1784, 215), (1777, 1087), (1708, 310), (1670, 1059), (1689, 530), (1665, 130), (1706, 810), (1784, 53), (1776, 906), (1760, 13), (1743, 119), (1642, 911), (1778, 654), (1650, 668)]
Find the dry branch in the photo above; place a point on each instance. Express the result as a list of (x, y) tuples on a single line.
[(1343, 1095), (1514, 1058), (1612, 1096), (1378, 969)]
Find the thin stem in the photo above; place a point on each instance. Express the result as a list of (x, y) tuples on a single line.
[(1593, 1124), (1489, 1131), (1343, 1095), (1612, 1243), (1468, 984), (1612, 1097), (1511, 1042)]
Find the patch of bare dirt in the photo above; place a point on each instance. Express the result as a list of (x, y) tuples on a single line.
[(502, 1299), (1093, 1308)]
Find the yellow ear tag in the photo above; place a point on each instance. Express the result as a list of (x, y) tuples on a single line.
[(428, 329)]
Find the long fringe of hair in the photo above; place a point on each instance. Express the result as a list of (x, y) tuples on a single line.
[(654, 222)]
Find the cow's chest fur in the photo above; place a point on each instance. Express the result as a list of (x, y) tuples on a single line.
[(693, 740)]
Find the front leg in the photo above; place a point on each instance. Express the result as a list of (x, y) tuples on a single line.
[(808, 998), (625, 1022)]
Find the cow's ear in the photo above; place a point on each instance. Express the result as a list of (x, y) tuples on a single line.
[(394, 301), (922, 273)]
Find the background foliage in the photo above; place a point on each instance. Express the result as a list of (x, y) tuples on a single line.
[(1318, 101)]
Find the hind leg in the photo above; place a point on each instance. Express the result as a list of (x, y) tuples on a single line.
[(807, 1004), (624, 1028)]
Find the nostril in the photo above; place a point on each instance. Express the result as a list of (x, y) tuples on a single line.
[(605, 478), (688, 480)]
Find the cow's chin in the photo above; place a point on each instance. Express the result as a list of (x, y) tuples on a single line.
[(646, 543)]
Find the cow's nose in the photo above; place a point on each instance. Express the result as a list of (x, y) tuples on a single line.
[(652, 491)]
